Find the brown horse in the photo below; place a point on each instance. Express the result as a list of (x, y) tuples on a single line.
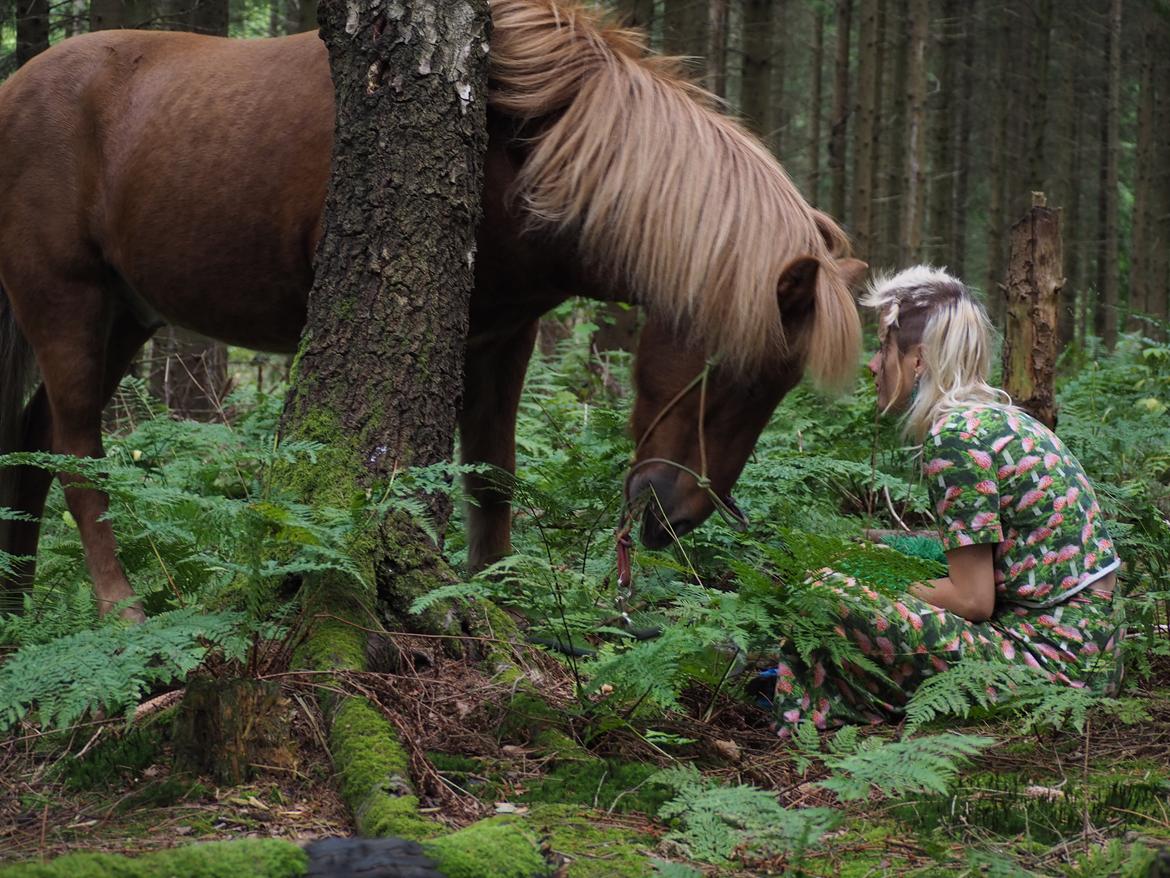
[(154, 177)]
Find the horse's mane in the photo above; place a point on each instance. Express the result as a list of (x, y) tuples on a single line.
[(677, 202)]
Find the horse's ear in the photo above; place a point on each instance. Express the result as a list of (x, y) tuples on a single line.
[(852, 271), (796, 293)]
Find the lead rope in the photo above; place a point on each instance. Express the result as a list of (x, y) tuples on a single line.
[(725, 506)]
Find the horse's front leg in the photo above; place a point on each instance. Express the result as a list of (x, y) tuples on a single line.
[(493, 378)]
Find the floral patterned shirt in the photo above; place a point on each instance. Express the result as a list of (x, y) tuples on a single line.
[(997, 475)]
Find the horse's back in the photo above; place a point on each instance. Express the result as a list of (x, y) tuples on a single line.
[(194, 167)]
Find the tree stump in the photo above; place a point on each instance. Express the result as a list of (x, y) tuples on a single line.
[(1034, 283), (226, 728)]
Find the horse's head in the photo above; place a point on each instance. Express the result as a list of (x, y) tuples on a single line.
[(696, 423)]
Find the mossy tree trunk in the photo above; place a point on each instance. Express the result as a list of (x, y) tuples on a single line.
[(379, 372)]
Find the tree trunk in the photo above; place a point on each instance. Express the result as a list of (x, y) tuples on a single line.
[(1035, 279), (757, 65), (398, 246), (684, 30), (914, 208), (210, 17), (997, 184), (1039, 162), (840, 121), (963, 143), (32, 29), (1140, 297), (1160, 223), (894, 151), (308, 16), (942, 160), (188, 373), (1111, 269), (717, 47), (778, 110), (865, 115), (815, 110)]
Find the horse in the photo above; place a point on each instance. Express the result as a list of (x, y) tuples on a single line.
[(154, 177)]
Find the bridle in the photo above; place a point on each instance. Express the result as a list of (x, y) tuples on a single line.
[(725, 506)]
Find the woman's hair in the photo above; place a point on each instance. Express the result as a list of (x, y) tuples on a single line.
[(927, 306)]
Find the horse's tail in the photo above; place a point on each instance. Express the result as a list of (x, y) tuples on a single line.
[(17, 374)]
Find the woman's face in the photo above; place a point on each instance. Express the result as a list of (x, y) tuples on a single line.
[(894, 373)]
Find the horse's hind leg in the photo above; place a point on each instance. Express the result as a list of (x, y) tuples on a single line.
[(32, 486), (82, 351)]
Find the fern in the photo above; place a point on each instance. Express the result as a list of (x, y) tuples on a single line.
[(111, 667), (915, 765), (714, 820)]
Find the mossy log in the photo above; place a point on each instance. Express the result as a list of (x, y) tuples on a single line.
[(248, 858), (226, 728)]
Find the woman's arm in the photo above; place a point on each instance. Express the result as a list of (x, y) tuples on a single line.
[(969, 589)]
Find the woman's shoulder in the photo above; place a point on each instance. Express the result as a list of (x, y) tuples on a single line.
[(972, 424)]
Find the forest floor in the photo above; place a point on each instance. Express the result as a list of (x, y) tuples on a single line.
[(1053, 803)]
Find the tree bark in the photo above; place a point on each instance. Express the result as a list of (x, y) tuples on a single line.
[(1160, 223), (717, 47), (914, 208), (1139, 271), (1111, 269), (840, 121), (379, 372), (815, 110), (894, 152), (32, 29), (1035, 280), (865, 114), (997, 184), (757, 65), (942, 159), (963, 142)]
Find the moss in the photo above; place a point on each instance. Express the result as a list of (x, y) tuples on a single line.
[(593, 849), (499, 847), (375, 773), (605, 784), (249, 858)]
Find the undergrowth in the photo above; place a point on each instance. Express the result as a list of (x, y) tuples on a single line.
[(214, 555)]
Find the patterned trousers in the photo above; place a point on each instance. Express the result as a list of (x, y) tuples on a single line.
[(1075, 643)]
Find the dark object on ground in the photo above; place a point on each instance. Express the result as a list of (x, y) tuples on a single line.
[(369, 858)]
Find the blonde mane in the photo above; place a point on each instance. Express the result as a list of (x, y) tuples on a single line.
[(668, 197)]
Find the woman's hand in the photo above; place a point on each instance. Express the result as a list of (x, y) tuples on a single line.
[(969, 590)]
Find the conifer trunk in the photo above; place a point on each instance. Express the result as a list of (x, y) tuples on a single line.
[(941, 197), (865, 114), (757, 64), (815, 112), (963, 142), (840, 120), (914, 206), (379, 373), (997, 185), (1034, 282), (1139, 271), (717, 47), (32, 29), (898, 25), (1110, 269)]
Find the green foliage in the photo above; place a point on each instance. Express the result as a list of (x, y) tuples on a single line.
[(862, 766), (713, 820), (109, 668)]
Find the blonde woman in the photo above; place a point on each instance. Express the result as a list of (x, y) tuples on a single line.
[(1031, 566)]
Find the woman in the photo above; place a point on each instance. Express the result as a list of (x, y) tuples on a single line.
[(1031, 566)]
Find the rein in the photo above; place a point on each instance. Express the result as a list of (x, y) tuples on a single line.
[(725, 506)]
